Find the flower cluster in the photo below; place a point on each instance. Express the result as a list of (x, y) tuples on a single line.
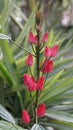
[(32, 84)]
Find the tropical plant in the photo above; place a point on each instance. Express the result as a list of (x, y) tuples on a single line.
[(57, 94)]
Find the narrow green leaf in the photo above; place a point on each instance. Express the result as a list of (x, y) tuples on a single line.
[(52, 82), (9, 61), (8, 5), (5, 74), (50, 39), (24, 32), (58, 90), (59, 115)]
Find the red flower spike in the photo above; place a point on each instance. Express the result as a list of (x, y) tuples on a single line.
[(29, 83), (40, 84), (32, 39), (45, 37), (41, 110), (54, 50), (47, 52), (29, 60), (25, 117), (47, 66)]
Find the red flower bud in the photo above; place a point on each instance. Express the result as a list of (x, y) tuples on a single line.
[(40, 84), (41, 110), (45, 37), (29, 60), (47, 66), (47, 52), (51, 52), (32, 39), (33, 79), (54, 50), (29, 83), (25, 117)]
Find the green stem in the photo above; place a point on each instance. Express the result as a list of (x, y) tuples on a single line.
[(38, 72), (32, 100), (33, 49), (33, 104)]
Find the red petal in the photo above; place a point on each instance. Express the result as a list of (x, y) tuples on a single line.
[(25, 117), (47, 66), (32, 38), (35, 40), (40, 83), (29, 60), (26, 79), (29, 83), (41, 110), (45, 37), (54, 50), (47, 52)]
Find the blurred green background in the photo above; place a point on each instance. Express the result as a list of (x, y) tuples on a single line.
[(17, 17)]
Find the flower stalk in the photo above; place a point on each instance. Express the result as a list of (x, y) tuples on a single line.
[(36, 84)]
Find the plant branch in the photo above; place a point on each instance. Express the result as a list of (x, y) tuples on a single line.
[(21, 47)]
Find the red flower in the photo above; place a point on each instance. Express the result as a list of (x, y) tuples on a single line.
[(25, 117), (40, 83), (32, 39), (47, 52), (45, 37), (33, 79), (51, 52), (29, 83), (54, 50), (29, 60), (41, 110), (47, 66)]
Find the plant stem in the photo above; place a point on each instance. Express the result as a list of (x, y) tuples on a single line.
[(33, 104), (22, 48), (32, 99), (38, 66)]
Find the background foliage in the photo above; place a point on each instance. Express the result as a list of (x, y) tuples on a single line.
[(58, 92)]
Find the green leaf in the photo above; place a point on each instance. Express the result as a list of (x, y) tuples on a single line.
[(8, 126), (5, 74), (58, 90), (6, 115), (1, 5), (52, 82), (8, 5), (50, 39), (10, 63), (59, 115), (3, 36), (37, 127)]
